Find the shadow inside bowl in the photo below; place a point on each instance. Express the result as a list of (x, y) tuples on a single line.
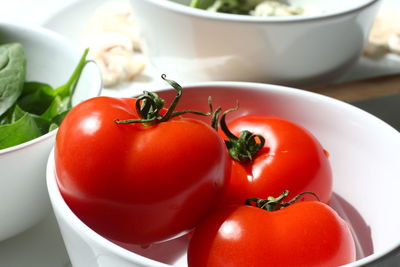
[(360, 229), (168, 252)]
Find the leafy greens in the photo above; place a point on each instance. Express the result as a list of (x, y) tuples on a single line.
[(12, 74), (30, 109), (242, 7)]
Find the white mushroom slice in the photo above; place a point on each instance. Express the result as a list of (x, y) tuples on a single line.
[(386, 25), (394, 43), (115, 17), (104, 40), (372, 49), (275, 8), (380, 32), (113, 38), (118, 65)]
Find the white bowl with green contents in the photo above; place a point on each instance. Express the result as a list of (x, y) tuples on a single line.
[(316, 46), (49, 59)]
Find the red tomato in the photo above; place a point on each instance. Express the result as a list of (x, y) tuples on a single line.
[(137, 184), (307, 233), (291, 158)]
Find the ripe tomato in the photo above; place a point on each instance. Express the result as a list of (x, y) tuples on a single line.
[(136, 183), (306, 233), (291, 158)]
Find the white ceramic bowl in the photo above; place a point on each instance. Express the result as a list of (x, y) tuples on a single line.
[(365, 158), (50, 59), (196, 45)]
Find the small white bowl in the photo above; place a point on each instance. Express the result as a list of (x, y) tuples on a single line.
[(365, 158), (51, 59), (195, 45)]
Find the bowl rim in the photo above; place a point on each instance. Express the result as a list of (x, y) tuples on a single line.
[(204, 14), (41, 33), (81, 228), (29, 143)]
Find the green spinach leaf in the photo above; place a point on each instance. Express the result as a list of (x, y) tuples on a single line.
[(12, 74), (26, 128), (11, 115), (202, 4), (57, 106), (56, 121), (69, 87), (36, 97), (241, 7)]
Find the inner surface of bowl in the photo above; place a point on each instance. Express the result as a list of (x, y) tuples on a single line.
[(363, 150)]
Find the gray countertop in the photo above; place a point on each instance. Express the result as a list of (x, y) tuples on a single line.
[(387, 108)]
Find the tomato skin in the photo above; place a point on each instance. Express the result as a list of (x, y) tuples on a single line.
[(307, 233), (137, 184), (291, 159)]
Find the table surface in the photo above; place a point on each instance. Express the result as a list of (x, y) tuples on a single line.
[(377, 93)]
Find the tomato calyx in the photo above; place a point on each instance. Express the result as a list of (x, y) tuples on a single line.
[(244, 147), (274, 204), (149, 107)]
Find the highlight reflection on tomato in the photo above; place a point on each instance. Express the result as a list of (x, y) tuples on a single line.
[(291, 158)]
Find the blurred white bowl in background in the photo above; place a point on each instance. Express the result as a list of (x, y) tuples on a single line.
[(194, 45)]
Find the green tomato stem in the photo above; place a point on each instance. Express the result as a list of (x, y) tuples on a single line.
[(244, 147), (274, 204), (149, 106)]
